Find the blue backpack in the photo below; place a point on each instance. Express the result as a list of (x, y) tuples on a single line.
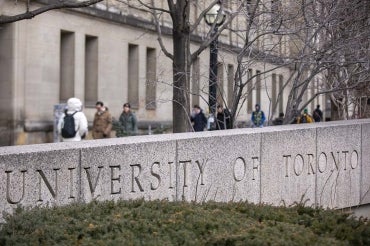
[(68, 128), (304, 118)]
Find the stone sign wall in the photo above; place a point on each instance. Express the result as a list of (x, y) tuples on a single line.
[(324, 164)]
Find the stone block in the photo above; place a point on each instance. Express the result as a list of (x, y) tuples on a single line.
[(338, 165), (365, 167), (288, 165), (38, 176), (129, 168), (220, 166), (325, 164)]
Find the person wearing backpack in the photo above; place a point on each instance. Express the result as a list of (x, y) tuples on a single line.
[(305, 118), (72, 125)]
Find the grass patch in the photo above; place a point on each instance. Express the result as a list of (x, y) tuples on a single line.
[(179, 223)]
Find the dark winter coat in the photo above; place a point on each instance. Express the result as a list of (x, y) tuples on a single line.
[(223, 121), (127, 125), (278, 121), (199, 121), (317, 115)]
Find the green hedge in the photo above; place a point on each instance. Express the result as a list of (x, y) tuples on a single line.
[(179, 223)]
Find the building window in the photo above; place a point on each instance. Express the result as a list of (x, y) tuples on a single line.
[(220, 84), (249, 7), (250, 91), (151, 78), (273, 90), (91, 70), (230, 85), (195, 80), (194, 8), (317, 89), (226, 4), (133, 76), (67, 65), (312, 104), (275, 13), (6, 74), (258, 87), (281, 93)]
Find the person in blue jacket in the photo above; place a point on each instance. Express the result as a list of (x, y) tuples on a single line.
[(258, 117)]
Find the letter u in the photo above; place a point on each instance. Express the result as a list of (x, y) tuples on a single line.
[(8, 187)]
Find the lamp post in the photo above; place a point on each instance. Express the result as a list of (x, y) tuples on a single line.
[(216, 19)]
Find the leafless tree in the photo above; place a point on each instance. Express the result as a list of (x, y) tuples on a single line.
[(183, 29), (327, 51), (351, 35), (178, 12), (263, 36), (327, 48), (333, 46)]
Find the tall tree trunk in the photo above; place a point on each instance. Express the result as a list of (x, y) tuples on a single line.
[(181, 105), (180, 66), (292, 111)]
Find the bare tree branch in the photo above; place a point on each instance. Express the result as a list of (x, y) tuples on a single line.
[(201, 16), (154, 8), (56, 5), (159, 32), (211, 35)]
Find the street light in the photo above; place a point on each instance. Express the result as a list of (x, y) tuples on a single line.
[(215, 19)]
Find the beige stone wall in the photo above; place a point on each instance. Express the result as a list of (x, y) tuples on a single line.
[(35, 67)]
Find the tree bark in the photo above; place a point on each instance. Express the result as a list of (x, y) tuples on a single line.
[(180, 34), (181, 107)]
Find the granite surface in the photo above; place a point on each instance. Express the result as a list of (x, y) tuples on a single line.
[(325, 164)]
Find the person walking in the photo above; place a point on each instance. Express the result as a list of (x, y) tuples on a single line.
[(198, 119), (72, 124), (258, 117), (279, 120), (305, 118), (102, 124), (223, 119), (127, 122), (317, 114)]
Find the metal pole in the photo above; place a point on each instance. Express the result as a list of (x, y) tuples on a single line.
[(213, 75)]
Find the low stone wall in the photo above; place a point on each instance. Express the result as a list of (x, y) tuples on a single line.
[(323, 164)]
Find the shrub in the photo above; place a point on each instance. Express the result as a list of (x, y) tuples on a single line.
[(141, 222)]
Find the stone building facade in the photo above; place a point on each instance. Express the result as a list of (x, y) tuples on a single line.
[(104, 53)]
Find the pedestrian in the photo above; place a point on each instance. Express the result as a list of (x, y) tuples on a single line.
[(72, 125), (305, 117), (278, 120), (317, 114), (102, 124), (198, 119), (223, 119), (258, 117), (127, 122), (211, 122)]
